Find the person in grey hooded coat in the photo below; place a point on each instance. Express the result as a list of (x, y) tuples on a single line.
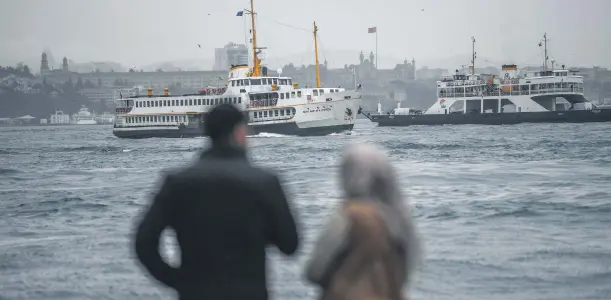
[(369, 247)]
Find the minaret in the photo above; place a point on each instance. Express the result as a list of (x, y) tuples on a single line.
[(362, 57), (65, 65), (371, 57), (414, 67), (44, 64)]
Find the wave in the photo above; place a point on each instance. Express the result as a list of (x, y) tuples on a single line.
[(91, 149), (4, 171)]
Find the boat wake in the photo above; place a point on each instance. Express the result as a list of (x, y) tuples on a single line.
[(267, 135), (348, 132)]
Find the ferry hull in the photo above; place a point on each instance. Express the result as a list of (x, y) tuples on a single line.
[(157, 132), (294, 129), (576, 116)]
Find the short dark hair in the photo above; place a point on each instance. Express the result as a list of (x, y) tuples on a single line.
[(222, 120)]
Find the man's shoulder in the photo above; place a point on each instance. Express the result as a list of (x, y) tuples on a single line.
[(219, 168)]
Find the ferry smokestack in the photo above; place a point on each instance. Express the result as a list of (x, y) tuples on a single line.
[(150, 92), (166, 92)]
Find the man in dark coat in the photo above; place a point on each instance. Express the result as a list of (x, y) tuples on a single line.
[(224, 212)]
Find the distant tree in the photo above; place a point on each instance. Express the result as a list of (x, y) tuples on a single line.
[(159, 70), (68, 85), (132, 70), (89, 84), (112, 70), (141, 71), (79, 84), (26, 71)]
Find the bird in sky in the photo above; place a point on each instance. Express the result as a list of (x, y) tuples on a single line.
[(422, 9), (198, 45)]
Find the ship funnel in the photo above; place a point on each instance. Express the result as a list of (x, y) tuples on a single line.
[(239, 71), (166, 92), (150, 92)]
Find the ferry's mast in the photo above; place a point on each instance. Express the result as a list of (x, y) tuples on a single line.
[(256, 68), (316, 55), (473, 56), (545, 51)]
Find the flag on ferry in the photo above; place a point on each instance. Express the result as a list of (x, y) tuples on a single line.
[(372, 29), (240, 13)]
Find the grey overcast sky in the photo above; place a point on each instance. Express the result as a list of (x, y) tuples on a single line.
[(139, 32)]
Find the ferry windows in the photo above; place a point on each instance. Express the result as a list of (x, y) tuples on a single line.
[(292, 94), (281, 95), (290, 81), (282, 113), (251, 96), (287, 95), (275, 113), (255, 82), (315, 92), (239, 99), (299, 94), (274, 80)]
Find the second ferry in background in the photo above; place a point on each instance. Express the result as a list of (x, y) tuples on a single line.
[(545, 96), (273, 104)]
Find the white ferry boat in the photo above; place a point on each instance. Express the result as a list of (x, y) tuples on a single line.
[(544, 96), (274, 104), (59, 118), (83, 117)]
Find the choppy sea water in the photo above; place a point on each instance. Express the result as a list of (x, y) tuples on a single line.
[(505, 212)]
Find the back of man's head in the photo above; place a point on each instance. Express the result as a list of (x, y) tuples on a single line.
[(222, 122)]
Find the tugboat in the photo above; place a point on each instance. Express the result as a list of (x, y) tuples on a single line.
[(545, 96)]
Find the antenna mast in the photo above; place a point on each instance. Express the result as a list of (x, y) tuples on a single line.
[(256, 68), (316, 55), (473, 56)]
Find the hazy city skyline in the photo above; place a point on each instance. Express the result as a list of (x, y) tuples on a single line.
[(139, 33)]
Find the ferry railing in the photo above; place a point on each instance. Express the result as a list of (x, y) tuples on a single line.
[(497, 92)]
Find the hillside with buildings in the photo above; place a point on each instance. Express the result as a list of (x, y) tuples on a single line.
[(67, 87)]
